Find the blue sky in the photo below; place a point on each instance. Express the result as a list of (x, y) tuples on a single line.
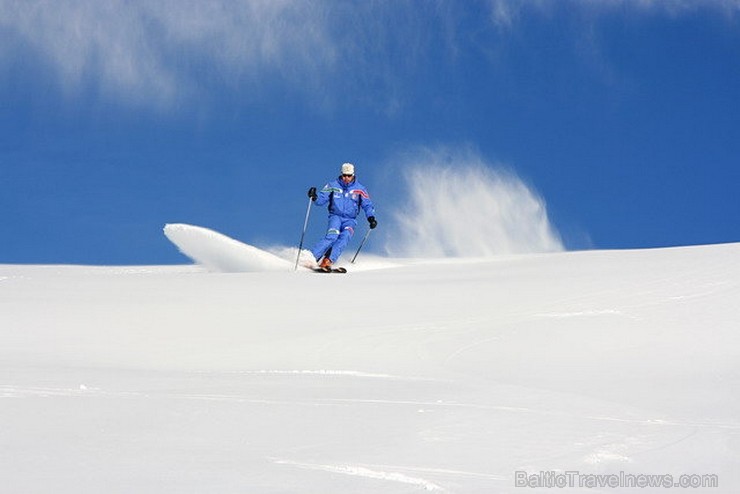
[(117, 117)]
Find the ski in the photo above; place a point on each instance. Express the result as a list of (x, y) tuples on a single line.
[(330, 270)]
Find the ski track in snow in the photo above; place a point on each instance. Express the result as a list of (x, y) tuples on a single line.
[(324, 372), (10, 391), (363, 471), (583, 313), (435, 471)]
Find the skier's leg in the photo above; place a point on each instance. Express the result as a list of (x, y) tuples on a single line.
[(347, 230), (326, 243)]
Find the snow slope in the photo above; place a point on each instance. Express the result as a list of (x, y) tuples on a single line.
[(442, 376)]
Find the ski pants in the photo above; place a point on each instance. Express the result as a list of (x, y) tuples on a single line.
[(338, 235)]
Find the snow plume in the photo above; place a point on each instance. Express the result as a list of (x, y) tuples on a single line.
[(461, 207), (221, 254)]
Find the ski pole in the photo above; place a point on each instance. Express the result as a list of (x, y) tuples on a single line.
[(303, 234), (360, 247)]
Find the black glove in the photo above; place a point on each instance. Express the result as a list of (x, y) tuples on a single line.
[(312, 193), (372, 222)]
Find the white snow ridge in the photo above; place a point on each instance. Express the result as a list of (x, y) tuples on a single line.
[(219, 253), (425, 376)]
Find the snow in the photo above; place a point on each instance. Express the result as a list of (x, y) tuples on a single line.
[(503, 215), (404, 375), (219, 253)]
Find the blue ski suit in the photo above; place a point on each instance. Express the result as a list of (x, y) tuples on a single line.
[(345, 201)]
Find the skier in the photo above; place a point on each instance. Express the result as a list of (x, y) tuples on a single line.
[(345, 196)]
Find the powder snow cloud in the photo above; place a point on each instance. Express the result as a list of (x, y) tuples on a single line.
[(459, 205)]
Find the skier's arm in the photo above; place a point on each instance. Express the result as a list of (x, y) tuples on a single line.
[(367, 206), (324, 194)]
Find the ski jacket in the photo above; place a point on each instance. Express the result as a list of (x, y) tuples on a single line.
[(345, 200)]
